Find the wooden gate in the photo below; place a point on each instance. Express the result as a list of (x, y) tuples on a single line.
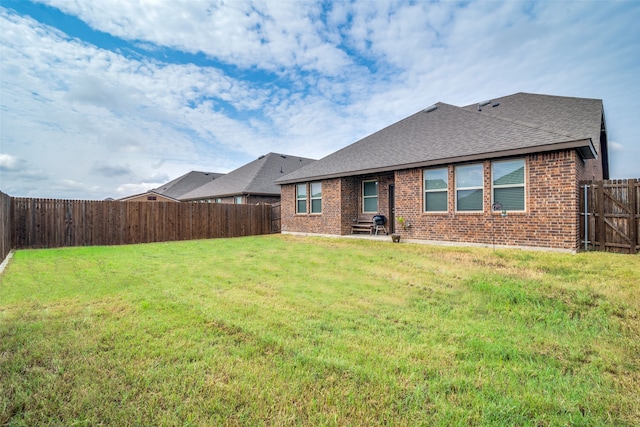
[(275, 218), (610, 213)]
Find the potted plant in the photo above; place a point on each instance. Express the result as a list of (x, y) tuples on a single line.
[(404, 223), (395, 237)]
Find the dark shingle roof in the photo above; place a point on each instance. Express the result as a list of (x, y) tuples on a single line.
[(577, 117), (256, 177), (521, 123), (186, 183)]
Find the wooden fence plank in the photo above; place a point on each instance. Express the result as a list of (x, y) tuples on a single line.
[(601, 237)]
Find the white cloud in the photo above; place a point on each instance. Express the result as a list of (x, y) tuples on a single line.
[(264, 33), (131, 189), (92, 104), (328, 74), (9, 162), (615, 146)]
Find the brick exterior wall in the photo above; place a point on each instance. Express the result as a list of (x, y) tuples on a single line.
[(550, 220), (328, 222), (352, 198)]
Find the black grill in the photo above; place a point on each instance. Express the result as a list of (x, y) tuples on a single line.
[(379, 220)]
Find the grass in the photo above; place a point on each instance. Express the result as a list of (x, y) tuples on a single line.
[(285, 330)]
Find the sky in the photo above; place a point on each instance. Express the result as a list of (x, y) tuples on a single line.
[(111, 98)]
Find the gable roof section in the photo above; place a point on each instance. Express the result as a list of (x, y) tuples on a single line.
[(186, 183), (575, 116), (162, 197), (566, 115), (449, 134), (256, 177)]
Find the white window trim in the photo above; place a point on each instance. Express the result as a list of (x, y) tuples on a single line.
[(446, 190), (377, 196), (481, 187), (311, 198), (523, 185)]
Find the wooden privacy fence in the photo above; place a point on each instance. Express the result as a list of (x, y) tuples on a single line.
[(47, 223), (610, 215), (5, 225)]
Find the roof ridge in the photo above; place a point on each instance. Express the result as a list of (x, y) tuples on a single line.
[(518, 122), (265, 158), (546, 95), (175, 181)]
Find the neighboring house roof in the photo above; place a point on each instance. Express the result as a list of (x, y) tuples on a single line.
[(443, 133), (186, 183), (256, 178), (147, 194)]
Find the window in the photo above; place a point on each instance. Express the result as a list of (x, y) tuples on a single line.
[(316, 197), (436, 182), (469, 183), (301, 198), (370, 196), (508, 184), (151, 198), (218, 200), (238, 200)]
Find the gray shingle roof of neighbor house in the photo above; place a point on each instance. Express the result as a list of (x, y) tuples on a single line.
[(148, 193), (256, 178), (186, 183), (513, 125)]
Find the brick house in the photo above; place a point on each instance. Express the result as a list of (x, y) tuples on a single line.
[(172, 190), (502, 172), (252, 183)]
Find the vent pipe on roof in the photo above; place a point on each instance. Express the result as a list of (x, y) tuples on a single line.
[(483, 103), (430, 109)]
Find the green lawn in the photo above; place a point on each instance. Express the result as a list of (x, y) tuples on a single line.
[(285, 330)]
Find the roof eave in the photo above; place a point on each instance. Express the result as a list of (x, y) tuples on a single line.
[(584, 147), (588, 151), (221, 196)]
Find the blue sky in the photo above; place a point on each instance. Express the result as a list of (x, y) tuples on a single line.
[(110, 98)]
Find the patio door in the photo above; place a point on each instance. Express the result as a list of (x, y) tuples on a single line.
[(392, 209)]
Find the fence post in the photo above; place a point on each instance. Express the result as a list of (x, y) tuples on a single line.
[(585, 202), (601, 231), (633, 226)]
